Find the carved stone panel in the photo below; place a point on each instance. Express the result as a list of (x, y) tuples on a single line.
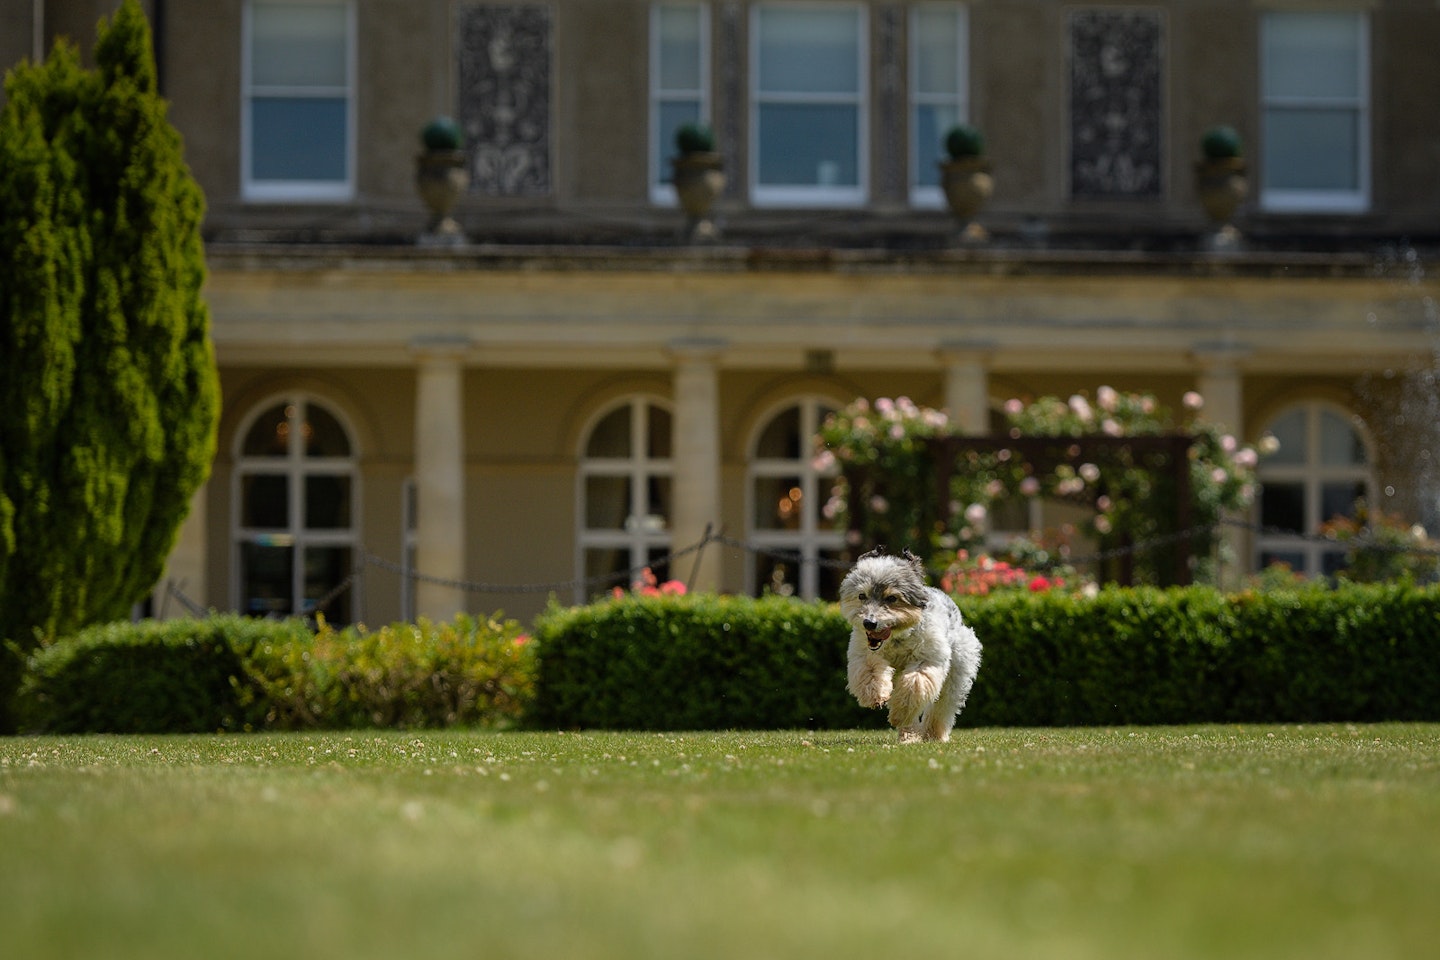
[(1116, 103), (504, 97)]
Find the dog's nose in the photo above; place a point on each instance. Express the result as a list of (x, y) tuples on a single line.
[(869, 624)]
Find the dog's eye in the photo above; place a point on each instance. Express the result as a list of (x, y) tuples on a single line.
[(892, 600), (860, 596)]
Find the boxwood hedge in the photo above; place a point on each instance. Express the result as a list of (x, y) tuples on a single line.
[(1139, 656)]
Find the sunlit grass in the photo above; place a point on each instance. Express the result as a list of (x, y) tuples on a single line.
[(1310, 842)]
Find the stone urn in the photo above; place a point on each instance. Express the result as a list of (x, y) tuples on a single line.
[(1222, 183), (698, 174), (442, 175), (966, 181)]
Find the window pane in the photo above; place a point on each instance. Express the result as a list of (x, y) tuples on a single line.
[(1293, 559), (1340, 444), (326, 568), (679, 67), (611, 436), (937, 50), (606, 561), (327, 502), (1282, 506), (932, 122), (299, 44), (781, 439), (1289, 430), (1312, 149), (659, 433), (269, 436), (808, 50), (265, 579), (657, 504), (300, 138), (776, 575), (673, 114), (1338, 499), (831, 573), (324, 436), (809, 145), (265, 502), (1311, 55), (778, 503), (607, 502)]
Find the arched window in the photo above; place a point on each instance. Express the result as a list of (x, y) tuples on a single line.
[(296, 494), (1320, 469), (786, 493), (625, 493)]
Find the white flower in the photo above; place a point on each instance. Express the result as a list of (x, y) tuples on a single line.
[(976, 513), (1192, 400), (1108, 399), (1089, 472), (1081, 407)]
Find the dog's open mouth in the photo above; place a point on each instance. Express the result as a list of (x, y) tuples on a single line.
[(877, 638)]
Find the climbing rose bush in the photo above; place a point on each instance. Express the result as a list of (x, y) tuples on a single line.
[(885, 450)]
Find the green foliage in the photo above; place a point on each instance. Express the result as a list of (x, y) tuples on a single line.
[(964, 140), (694, 662), (1220, 143), (238, 673), (1123, 656), (468, 671), (694, 138), (107, 374), (173, 676), (888, 452), (442, 133)]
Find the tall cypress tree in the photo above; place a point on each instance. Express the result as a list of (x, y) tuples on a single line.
[(109, 394)]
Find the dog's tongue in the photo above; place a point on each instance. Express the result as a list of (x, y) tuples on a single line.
[(877, 638)]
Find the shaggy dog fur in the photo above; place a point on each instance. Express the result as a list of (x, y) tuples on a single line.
[(909, 646)]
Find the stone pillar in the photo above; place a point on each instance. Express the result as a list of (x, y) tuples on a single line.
[(439, 476), (696, 455), (967, 385), (1219, 384)]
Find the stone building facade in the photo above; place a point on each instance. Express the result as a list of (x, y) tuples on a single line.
[(575, 390)]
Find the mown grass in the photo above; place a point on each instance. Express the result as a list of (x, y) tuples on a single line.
[(1275, 842)]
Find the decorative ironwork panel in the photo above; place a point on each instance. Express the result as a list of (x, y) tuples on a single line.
[(1116, 103), (504, 97)]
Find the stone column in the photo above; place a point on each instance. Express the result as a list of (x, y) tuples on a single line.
[(439, 475), (967, 384), (696, 456), (1219, 384)]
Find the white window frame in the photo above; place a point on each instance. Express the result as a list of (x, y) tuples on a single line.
[(1284, 200), (813, 535), (297, 191), (639, 536), (1312, 475), (662, 192), (296, 466), (932, 197), (789, 195)]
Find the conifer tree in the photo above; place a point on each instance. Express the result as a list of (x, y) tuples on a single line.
[(109, 394)]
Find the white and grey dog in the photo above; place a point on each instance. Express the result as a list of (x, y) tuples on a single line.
[(909, 646)]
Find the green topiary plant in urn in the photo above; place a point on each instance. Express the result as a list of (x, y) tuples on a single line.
[(698, 173), (965, 179)]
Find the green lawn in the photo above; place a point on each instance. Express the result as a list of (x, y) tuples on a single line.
[(1266, 842)]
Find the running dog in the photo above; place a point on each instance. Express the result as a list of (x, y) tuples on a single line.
[(909, 646)]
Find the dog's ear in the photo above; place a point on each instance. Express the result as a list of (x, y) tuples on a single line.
[(879, 551), (916, 597)]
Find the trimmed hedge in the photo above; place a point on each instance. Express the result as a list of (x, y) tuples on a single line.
[(229, 673), (1139, 656), (698, 661)]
